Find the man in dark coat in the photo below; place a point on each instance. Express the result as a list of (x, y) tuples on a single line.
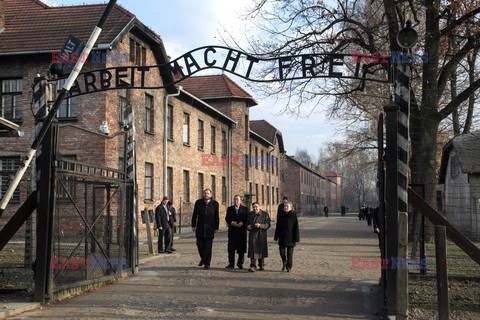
[(258, 224), (205, 223), (287, 233), (325, 209), (281, 206), (236, 218), (173, 221), (163, 224)]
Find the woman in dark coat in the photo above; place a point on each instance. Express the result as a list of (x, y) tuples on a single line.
[(287, 234), (258, 224)]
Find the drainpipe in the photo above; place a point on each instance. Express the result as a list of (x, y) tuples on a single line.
[(270, 193), (229, 173), (165, 142)]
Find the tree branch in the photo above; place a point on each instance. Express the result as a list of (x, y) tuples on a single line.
[(459, 21), (445, 112)]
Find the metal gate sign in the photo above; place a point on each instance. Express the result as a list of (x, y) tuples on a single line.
[(295, 67)]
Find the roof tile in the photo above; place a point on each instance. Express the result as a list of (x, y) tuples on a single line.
[(31, 25)]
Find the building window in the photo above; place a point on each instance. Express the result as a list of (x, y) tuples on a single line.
[(268, 194), (247, 171), (268, 162), (224, 190), (256, 158), (170, 122), (277, 163), (213, 138), (144, 56), (261, 155), (186, 186), (256, 193), (214, 189), (278, 196), (263, 194), (247, 132), (250, 189), (249, 154), (69, 106), (186, 128), (170, 183), (138, 54), (148, 181), (149, 126), (8, 169), (124, 96), (224, 143), (66, 188), (201, 135), (201, 185)]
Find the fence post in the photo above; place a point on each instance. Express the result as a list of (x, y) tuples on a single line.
[(149, 232), (402, 273), (180, 217), (391, 203), (442, 274)]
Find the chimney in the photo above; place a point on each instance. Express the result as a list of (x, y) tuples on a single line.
[(2, 16)]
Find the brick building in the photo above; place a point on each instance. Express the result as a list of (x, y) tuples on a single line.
[(180, 132), (308, 189)]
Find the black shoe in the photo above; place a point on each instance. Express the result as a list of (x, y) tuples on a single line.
[(288, 269), (168, 251), (229, 266), (284, 265), (173, 249), (161, 251), (206, 267), (240, 267), (200, 263)]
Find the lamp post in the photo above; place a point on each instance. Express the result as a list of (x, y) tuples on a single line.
[(397, 125)]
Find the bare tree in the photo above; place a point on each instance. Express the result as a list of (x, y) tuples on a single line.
[(290, 27)]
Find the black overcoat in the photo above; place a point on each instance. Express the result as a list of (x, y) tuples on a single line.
[(286, 231), (205, 218), (161, 217), (237, 237), (257, 238)]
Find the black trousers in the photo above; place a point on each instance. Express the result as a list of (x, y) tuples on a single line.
[(287, 255), (204, 246), (165, 234), (231, 258)]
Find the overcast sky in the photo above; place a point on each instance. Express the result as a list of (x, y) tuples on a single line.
[(187, 24)]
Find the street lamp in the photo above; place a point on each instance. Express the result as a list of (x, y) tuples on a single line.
[(407, 37)]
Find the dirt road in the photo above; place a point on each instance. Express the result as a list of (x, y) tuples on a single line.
[(321, 285)]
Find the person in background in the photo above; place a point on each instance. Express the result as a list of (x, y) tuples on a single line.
[(343, 210), (237, 218), (258, 224), (281, 206), (325, 209), (173, 221), (205, 223), (287, 233), (368, 215), (162, 218)]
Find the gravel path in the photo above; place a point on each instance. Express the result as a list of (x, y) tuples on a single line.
[(321, 285)]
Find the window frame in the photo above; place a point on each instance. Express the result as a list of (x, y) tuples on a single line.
[(149, 180), (186, 126), (149, 114)]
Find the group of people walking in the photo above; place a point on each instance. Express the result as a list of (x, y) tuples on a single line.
[(206, 221)]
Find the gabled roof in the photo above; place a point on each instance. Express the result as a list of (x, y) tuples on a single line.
[(467, 147), (268, 132), (298, 163), (331, 174), (31, 26), (216, 87)]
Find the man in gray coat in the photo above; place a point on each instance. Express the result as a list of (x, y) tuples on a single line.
[(258, 224)]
